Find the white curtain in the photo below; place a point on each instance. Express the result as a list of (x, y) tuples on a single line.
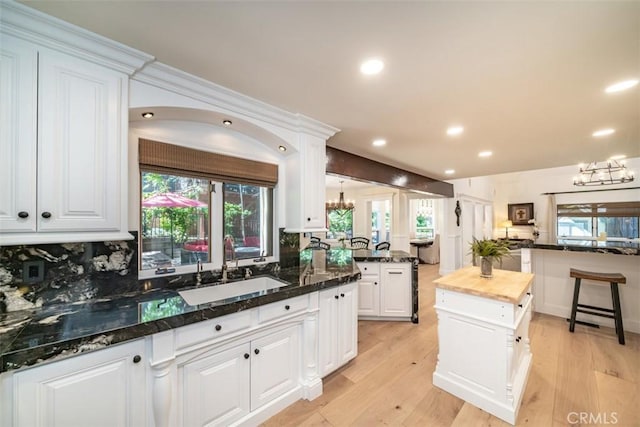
[(552, 218)]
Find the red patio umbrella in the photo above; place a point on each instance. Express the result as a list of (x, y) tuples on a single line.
[(171, 200)]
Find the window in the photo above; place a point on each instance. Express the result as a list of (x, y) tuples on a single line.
[(339, 223), (247, 221), (422, 217), (589, 220), (202, 206), (380, 221), (174, 220)]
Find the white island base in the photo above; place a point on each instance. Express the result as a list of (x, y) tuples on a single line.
[(483, 330)]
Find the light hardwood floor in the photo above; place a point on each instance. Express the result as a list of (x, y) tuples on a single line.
[(585, 374)]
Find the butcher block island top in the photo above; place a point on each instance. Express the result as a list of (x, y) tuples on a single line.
[(508, 286)]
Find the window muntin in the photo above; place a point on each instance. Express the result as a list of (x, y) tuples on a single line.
[(589, 220), (339, 223), (248, 219), (174, 220)]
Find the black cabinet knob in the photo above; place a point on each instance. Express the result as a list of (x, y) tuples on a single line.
[(529, 293), (218, 327), (256, 351), (336, 296), (246, 355), (342, 295), (518, 339), (375, 283), (308, 219), (137, 358), (287, 307), (520, 305), (23, 214), (46, 215)]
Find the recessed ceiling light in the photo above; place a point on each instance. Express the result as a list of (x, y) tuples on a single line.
[(147, 114), (603, 132), (455, 130), (379, 142), (620, 86), (618, 157), (485, 154), (449, 171), (282, 148), (227, 122), (371, 66)]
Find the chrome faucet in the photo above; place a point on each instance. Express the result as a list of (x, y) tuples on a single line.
[(199, 273), (228, 244)]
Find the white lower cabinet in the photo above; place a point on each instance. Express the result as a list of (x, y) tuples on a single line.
[(493, 375), (101, 388), (220, 388), (384, 291), (338, 327)]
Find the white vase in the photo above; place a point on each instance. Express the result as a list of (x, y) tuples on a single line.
[(486, 267)]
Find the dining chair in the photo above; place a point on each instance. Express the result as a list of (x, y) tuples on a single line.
[(359, 243), (315, 245), (383, 246)]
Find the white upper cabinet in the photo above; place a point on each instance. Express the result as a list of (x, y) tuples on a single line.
[(306, 186), (63, 141), (18, 134), (80, 149)]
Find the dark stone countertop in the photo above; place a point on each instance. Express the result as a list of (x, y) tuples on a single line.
[(368, 255), (572, 245), (29, 337)]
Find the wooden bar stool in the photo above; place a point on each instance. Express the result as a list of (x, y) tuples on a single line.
[(613, 279)]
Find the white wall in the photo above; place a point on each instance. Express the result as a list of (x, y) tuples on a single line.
[(521, 187)]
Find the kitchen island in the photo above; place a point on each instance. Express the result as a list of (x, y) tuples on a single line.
[(483, 334), (388, 286)]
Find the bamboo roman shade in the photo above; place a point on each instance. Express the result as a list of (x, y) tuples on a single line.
[(176, 160), (614, 209)]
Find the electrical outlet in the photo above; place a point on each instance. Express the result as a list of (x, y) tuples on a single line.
[(33, 271)]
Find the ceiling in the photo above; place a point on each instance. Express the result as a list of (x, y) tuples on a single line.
[(525, 79)]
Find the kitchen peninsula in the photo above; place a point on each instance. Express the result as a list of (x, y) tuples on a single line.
[(550, 261)]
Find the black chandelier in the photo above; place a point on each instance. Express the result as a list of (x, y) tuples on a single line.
[(612, 173), (340, 204)]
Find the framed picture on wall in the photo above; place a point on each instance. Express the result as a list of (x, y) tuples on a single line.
[(520, 213)]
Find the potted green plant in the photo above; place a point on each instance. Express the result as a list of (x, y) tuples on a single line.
[(488, 251)]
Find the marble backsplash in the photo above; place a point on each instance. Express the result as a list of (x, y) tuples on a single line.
[(37, 275)]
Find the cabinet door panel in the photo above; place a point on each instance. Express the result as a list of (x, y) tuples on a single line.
[(81, 172), (216, 388), (369, 296), (348, 321), (18, 103), (314, 188), (275, 366), (328, 325), (104, 388), (395, 296)]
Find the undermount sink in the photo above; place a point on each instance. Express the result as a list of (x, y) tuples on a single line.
[(208, 294)]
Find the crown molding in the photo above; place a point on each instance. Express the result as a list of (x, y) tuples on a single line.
[(180, 82)]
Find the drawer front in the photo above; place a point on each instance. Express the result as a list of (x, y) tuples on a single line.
[(283, 308), (213, 329), (522, 305), (367, 268), (476, 307)]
